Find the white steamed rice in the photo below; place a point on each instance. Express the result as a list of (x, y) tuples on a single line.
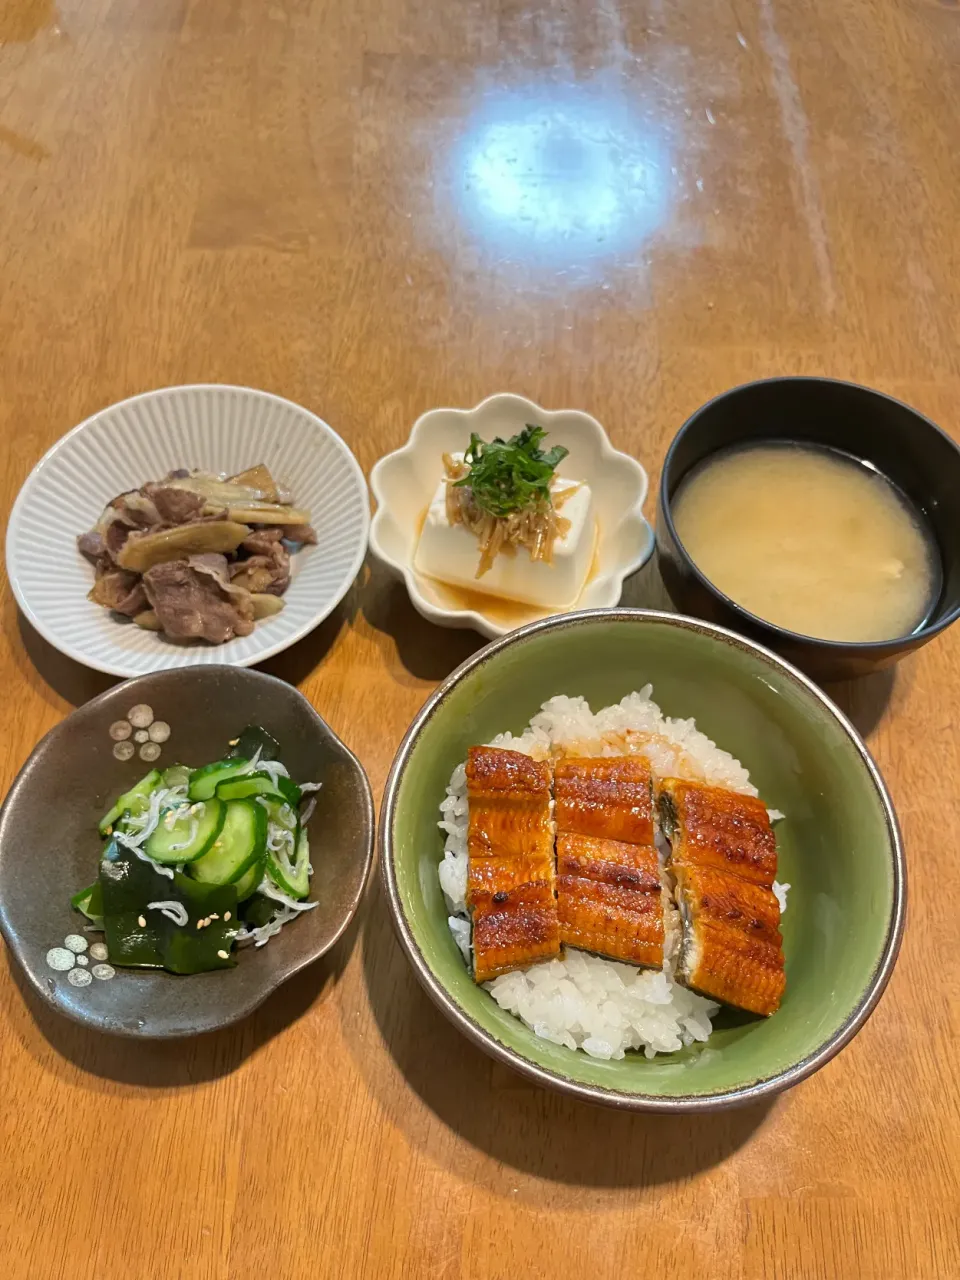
[(582, 1001)]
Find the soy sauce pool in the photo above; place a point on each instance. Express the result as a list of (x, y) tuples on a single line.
[(810, 539)]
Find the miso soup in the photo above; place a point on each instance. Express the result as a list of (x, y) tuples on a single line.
[(811, 540)]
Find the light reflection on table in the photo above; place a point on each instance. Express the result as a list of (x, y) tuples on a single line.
[(569, 175)]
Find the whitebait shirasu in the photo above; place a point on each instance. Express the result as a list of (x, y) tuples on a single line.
[(146, 823), (289, 909), (194, 828), (279, 838), (273, 768), (270, 890), (286, 817), (174, 911), (264, 932)]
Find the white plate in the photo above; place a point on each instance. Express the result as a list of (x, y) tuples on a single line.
[(214, 428), (403, 483)]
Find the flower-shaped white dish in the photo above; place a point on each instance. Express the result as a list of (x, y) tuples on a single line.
[(215, 428), (405, 481)]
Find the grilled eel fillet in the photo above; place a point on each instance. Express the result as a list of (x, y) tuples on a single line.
[(610, 893), (510, 878), (724, 859)]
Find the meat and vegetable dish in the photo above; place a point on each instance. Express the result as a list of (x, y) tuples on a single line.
[(195, 862), (197, 556)]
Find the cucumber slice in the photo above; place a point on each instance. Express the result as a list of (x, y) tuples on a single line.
[(136, 800), (248, 883), (292, 877), (204, 782), (178, 775), (189, 837), (90, 902), (260, 784), (241, 842)]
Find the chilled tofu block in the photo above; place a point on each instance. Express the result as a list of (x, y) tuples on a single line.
[(451, 554)]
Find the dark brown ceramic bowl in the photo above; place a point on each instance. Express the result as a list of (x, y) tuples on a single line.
[(49, 845), (901, 443)]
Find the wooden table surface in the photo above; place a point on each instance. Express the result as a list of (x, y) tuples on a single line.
[(378, 206)]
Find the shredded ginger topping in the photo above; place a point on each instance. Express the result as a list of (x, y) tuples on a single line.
[(535, 526)]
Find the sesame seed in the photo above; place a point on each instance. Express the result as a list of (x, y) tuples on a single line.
[(224, 955), (226, 916), (141, 922)]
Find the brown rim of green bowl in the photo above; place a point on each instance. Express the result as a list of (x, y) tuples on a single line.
[(736, 1097)]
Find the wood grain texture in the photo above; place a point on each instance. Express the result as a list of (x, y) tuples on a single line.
[(322, 199)]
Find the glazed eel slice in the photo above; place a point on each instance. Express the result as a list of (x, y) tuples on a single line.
[(511, 878), (724, 861), (611, 895)]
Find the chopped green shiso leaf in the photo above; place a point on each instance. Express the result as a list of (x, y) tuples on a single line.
[(507, 476)]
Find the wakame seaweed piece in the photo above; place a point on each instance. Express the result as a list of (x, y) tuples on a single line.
[(506, 476), (257, 910), (253, 739), (129, 884), (189, 949)]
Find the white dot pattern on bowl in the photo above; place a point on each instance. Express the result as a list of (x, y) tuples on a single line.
[(60, 959)]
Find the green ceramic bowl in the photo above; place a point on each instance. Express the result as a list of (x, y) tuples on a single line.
[(839, 845)]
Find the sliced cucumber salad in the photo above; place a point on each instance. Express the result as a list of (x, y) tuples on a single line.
[(198, 861)]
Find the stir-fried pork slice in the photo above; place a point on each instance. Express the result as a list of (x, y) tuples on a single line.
[(192, 598)]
